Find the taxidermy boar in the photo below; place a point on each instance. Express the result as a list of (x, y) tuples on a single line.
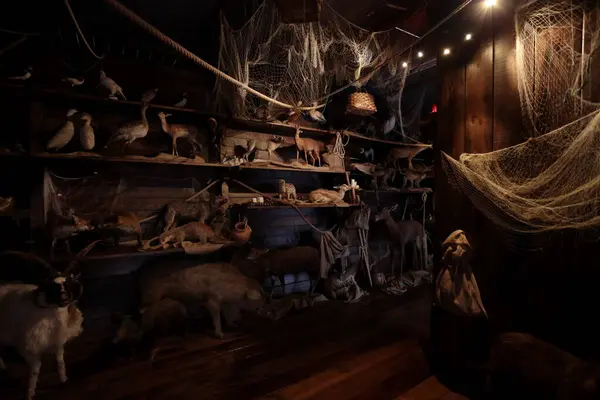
[(214, 285), (525, 367)]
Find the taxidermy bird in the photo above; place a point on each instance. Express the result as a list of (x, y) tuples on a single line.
[(389, 124), (74, 81), (23, 77), (317, 115), (149, 95), (111, 86), (181, 103), (64, 134), (131, 131), (86, 132), (177, 131)]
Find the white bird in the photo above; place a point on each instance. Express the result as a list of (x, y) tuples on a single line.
[(74, 81), (23, 77), (389, 124), (317, 115), (131, 131), (181, 103), (111, 86), (86, 132), (64, 134), (149, 95)]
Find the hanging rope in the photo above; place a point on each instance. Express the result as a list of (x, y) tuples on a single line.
[(80, 32), (339, 149)]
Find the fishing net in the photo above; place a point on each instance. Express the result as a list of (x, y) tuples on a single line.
[(299, 64), (552, 180)]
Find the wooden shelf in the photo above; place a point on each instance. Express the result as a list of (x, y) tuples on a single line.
[(234, 122), (279, 206), (402, 191)]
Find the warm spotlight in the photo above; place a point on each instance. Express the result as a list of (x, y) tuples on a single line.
[(468, 36), (446, 51), (420, 54), (404, 64), (490, 3)]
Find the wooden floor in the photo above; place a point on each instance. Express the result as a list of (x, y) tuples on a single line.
[(368, 350)]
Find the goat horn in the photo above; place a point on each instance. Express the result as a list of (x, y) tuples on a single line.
[(32, 257), (73, 264)]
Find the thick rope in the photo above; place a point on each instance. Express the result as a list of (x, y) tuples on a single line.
[(80, 32), (339, 148), (185, 52)]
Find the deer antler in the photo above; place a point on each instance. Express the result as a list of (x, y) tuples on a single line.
[(74, 263)]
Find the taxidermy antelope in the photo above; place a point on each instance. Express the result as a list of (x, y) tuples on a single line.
[(312, 147), (131, 131), (404, 233), (64, 134), (177, 131), (398, 153), (86, 132), (41, 319), (111, 86), (324, 196)]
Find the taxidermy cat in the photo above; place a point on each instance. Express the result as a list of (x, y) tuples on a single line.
[(286, 191)]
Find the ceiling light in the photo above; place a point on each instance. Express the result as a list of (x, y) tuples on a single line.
[(447, 51), (404, 64), (468, 36), (490, 3), (420, 54)]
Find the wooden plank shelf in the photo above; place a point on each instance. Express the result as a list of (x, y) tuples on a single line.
[(402, 191), (279, 206), (237, 123)]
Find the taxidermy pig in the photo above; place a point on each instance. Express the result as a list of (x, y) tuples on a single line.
[(279, 263), (215, 285), (126, 224), (525, 367)]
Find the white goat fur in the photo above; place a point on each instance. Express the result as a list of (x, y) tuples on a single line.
[(34, 330)]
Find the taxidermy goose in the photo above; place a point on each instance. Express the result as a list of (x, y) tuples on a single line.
[(177, 131), (181, 103), (86, 132), (317, 115), (149, 95), (74, 81), (111, 86), (131, 131), (23, 77), (64, 134)]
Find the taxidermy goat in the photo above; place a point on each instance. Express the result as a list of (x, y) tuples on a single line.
[(324, 196), (74, 81), (177, 131), (215, 285), (398, 153), (126, 224), (86, 132), (279, 263), (111, 86), (312, 147), (64, 134), (523, 366), (27, 74), (149, 95), (286, 191), (131, 131), (62, 229), (181, 103), (41, 319)]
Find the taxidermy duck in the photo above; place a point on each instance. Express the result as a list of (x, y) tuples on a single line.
[(149, 95), (74, 81), (64, 134), (86, 132), (111, 86), (317, 115), (131, 131), (324, 196), (23, 77), (177, 131), (181, 103)]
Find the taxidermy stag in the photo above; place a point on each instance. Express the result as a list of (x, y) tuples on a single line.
[(131, 131), (214, 285), (324, 196), (398, 153), (404, 233), (177, 131), (522, 366), (312, 147), (41, 319), (64, 134), (111, 86), (86, 132)]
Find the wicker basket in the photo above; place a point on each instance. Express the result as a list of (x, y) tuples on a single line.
[(361, 103)]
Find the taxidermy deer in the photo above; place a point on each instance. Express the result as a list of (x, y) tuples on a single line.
[(131, 131), (324, 196), (405, 233), (398, 153), (40, 319), (177, 131), (312, 147)]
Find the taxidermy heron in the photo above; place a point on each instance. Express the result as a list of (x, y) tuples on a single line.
[(111, 86), (64, 134), (317, 115), (133, 130)]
